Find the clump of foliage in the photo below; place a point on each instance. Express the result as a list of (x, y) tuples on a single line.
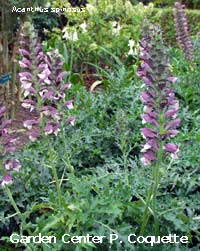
[(100, 173), (161, 15), (109, 25), (191, 4)]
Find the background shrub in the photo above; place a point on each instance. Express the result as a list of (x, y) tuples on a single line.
[(193, 4), (165, 18)]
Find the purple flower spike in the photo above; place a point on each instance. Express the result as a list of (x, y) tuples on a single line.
[(182, 34), (6, 181), (41, 80), (160, 105)]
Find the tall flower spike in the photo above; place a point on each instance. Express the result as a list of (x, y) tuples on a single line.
[(7, 147), (41, 79), (160, 105), (182, 34), (198, 43), (160, 111)]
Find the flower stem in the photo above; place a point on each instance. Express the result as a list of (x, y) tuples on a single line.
[(13, 201), (56, 178), (155, 188), (145, 213)]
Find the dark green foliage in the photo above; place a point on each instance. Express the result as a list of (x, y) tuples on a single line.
[(46, 21), (103, 179), (78, 2)]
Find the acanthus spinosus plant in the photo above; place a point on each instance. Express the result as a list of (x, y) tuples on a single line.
[(182, 33), (198, 43), (160, 111), (8, 165), (43, 92), (41, 82)]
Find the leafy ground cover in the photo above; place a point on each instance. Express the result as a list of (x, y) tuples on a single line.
[(89, 178)]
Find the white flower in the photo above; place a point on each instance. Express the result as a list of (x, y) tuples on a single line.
[(131, 43), (115, 27), (114, 24), (73, 36), (83, 26), (131, 52)]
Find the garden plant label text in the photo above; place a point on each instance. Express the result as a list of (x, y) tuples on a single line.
[(46, 9), (67, 238)]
